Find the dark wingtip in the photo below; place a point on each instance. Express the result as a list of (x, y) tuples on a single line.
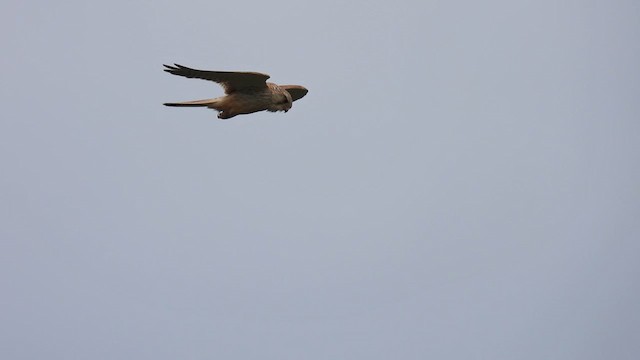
[(169, 67)]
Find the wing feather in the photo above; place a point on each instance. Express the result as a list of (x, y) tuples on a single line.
[(231, 81), (297, 92)]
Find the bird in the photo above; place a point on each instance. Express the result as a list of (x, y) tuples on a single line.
[(245, 92)]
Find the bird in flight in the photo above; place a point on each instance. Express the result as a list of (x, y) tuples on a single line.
[(245, 92)]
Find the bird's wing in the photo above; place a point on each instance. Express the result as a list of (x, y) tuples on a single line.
[(231, 81), (297, 92)]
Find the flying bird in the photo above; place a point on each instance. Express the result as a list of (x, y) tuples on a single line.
[(245, 92)]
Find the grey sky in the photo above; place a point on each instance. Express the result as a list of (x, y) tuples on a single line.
[(461, 182)]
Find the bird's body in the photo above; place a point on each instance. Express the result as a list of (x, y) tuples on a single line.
[(245, 92)]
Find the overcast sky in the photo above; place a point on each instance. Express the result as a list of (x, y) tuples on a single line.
[(461, 182)]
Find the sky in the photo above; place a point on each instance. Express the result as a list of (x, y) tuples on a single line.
[(461, 181)]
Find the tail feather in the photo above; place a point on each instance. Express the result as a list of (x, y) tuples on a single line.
[(195, 103)]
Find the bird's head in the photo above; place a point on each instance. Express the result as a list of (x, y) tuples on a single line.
[(287, 102)]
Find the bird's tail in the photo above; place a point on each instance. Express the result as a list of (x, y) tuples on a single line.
[(210, 103)]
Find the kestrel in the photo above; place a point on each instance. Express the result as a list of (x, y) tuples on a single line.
[(245, 92)]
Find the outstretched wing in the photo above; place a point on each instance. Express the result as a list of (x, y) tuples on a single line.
[(297, 92), (231, 81)]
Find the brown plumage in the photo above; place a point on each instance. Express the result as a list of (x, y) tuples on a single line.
[(245, 92)]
